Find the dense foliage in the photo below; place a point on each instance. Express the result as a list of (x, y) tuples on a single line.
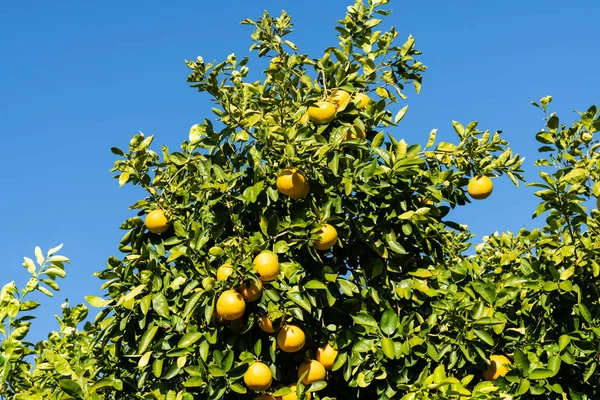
[(391, 288)]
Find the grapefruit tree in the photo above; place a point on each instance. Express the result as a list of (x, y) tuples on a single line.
[(295, 249)]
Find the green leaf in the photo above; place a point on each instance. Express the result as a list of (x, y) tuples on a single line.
[(147, 338), (400, 114), (521, 361), (485, 290), (460, 130), (484, 336), (585, 313), (314, 284), (280, 247), (71, 388), (30, 265), (189, 339), (541, 373), (300, 300), (431, 140), (387, 345), (389, 322), (96, 301), (364, 319), (238, 388), (160, 305), (563, 341), (523, 387), (39, 256)]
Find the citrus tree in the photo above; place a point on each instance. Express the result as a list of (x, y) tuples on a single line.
[(295, 248)]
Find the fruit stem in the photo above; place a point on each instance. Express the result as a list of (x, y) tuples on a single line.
[(324, 84)]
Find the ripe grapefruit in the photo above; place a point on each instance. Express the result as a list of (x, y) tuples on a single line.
[(230, 305), (480, 187), (156, 222), (291, 338), (266, 266)]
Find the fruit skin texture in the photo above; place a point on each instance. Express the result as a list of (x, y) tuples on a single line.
[(363, 100), (497, 368), (251, 293), (156, 222), (224, 271), (480, 187), (291, 338), (292, 183), (316, 372), (231, 305), (266, 266), (292, 396), (266, 324), (258, 377), (328, 237), (326, 355), (323, 112), (339, 97)]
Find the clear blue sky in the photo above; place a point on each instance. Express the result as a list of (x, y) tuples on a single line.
[(77, 77)]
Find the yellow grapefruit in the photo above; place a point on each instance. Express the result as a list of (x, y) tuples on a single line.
[(315, 371), (291, 338), (292, 183), (292, 396), (480, 187), (230, 305), (156, 222), (266, 324), (323, 112), (497, 368), (258, 377), (326, 355), (340, 97), (251, 290), (266, 266), (362, 100), (224, 271), (328, 237)]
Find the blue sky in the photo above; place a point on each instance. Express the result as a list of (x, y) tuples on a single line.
[(79, 77)]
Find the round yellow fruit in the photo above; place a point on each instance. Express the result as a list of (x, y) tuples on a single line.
[(480, 187), (266, 266), (315, 371), (497, 368), (258, 377), (251, 290), (326, 355), (292, 396), (292, 183), (291, 338), (323, 112), (230, 305), (340, 97), (266, 324), (224, 271), (362, 100), (156, 222), (328, 237)]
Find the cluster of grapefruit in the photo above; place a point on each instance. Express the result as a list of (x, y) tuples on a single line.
[(231, 303)]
